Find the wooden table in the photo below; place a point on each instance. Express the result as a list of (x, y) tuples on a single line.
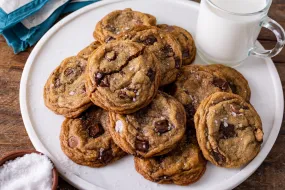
[(270, 175)]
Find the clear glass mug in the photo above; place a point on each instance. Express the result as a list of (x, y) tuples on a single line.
[(229, 37)]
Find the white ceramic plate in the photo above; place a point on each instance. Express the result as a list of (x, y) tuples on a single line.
[(72, 34)]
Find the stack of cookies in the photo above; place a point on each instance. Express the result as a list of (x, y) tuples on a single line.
[(133, 91)]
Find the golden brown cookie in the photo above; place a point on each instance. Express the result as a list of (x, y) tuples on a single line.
[(163, 45), (194, 83), (151, 131), (120, 21), (229, 130), (86, 140), (182, 166), (122, 76), (64, 91), (185, 40), (236, 80), (86, 52)]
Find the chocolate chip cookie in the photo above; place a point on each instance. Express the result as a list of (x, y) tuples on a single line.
[(182, 166), (163, 45), (119, 21), (64, 91), (122, 76), (194, 83), (151, 131), (86, 52), (185, 40), (229, 130), (86, 140), (235, 79)]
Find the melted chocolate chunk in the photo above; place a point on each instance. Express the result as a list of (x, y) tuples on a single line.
[(105, 82), (68, 71), (233, 87), (111, 56), (72, 142), (177, 62), (151, 74), (95, 130), (218, 157), (98, 77), (185, 53), (167, 51), (222, 84), (149, 40), (109, 38), (105, 156), (227, 131), (142, 145), (162, 126)]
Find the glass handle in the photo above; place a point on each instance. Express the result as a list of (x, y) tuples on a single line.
[(280, 36)]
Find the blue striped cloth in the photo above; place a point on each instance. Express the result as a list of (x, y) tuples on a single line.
[(24, 22)]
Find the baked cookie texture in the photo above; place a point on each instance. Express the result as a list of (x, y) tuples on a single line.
[(120, 21), (235, 79), (87, 51), (122, 77), (194, 83), (185, 40), (86, 140), (229, 130), (64, 91), (153, 130), (182, 166), (163, 45)]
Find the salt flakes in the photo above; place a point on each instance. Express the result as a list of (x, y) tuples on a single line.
[(119, 126), (71, 93), (31, 171), (234, 114)]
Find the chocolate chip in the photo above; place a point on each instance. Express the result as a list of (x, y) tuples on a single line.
[(233, 87), (162, 126), (151, 74), (149, 40), (57, 83), (111, 56), (226, 131), (222, 84), (68, 71), (218, 157), (105, 82), (167, 51), (190, 111), (72, 142), (109, 38), (185, 53), (123, 95), (95, 130), (142, 145), (98, 77), (177, 62), (105, 156), (111, 28), (245, 107)]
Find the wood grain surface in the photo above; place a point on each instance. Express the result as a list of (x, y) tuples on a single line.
[(13, 136)]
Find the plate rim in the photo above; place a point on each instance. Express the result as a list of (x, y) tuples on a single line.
[(79, 182)]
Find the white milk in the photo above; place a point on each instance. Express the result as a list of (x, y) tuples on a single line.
[(228, 38)]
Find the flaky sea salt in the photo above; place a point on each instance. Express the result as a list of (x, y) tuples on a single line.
[(32, 171), (119, 126)]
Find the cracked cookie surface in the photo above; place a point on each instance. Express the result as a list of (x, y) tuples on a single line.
[(153, 130), (185, 40), (87, 51), (229, 130), (235, 79), (194, 83), (163, 45), (86, 140), (64, 91), (122, 76), (182, 166), (120, 21)]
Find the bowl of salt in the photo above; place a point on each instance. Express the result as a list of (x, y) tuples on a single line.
[(28, 169)]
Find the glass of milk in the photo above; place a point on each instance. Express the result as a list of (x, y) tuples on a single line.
[(228, 29)]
